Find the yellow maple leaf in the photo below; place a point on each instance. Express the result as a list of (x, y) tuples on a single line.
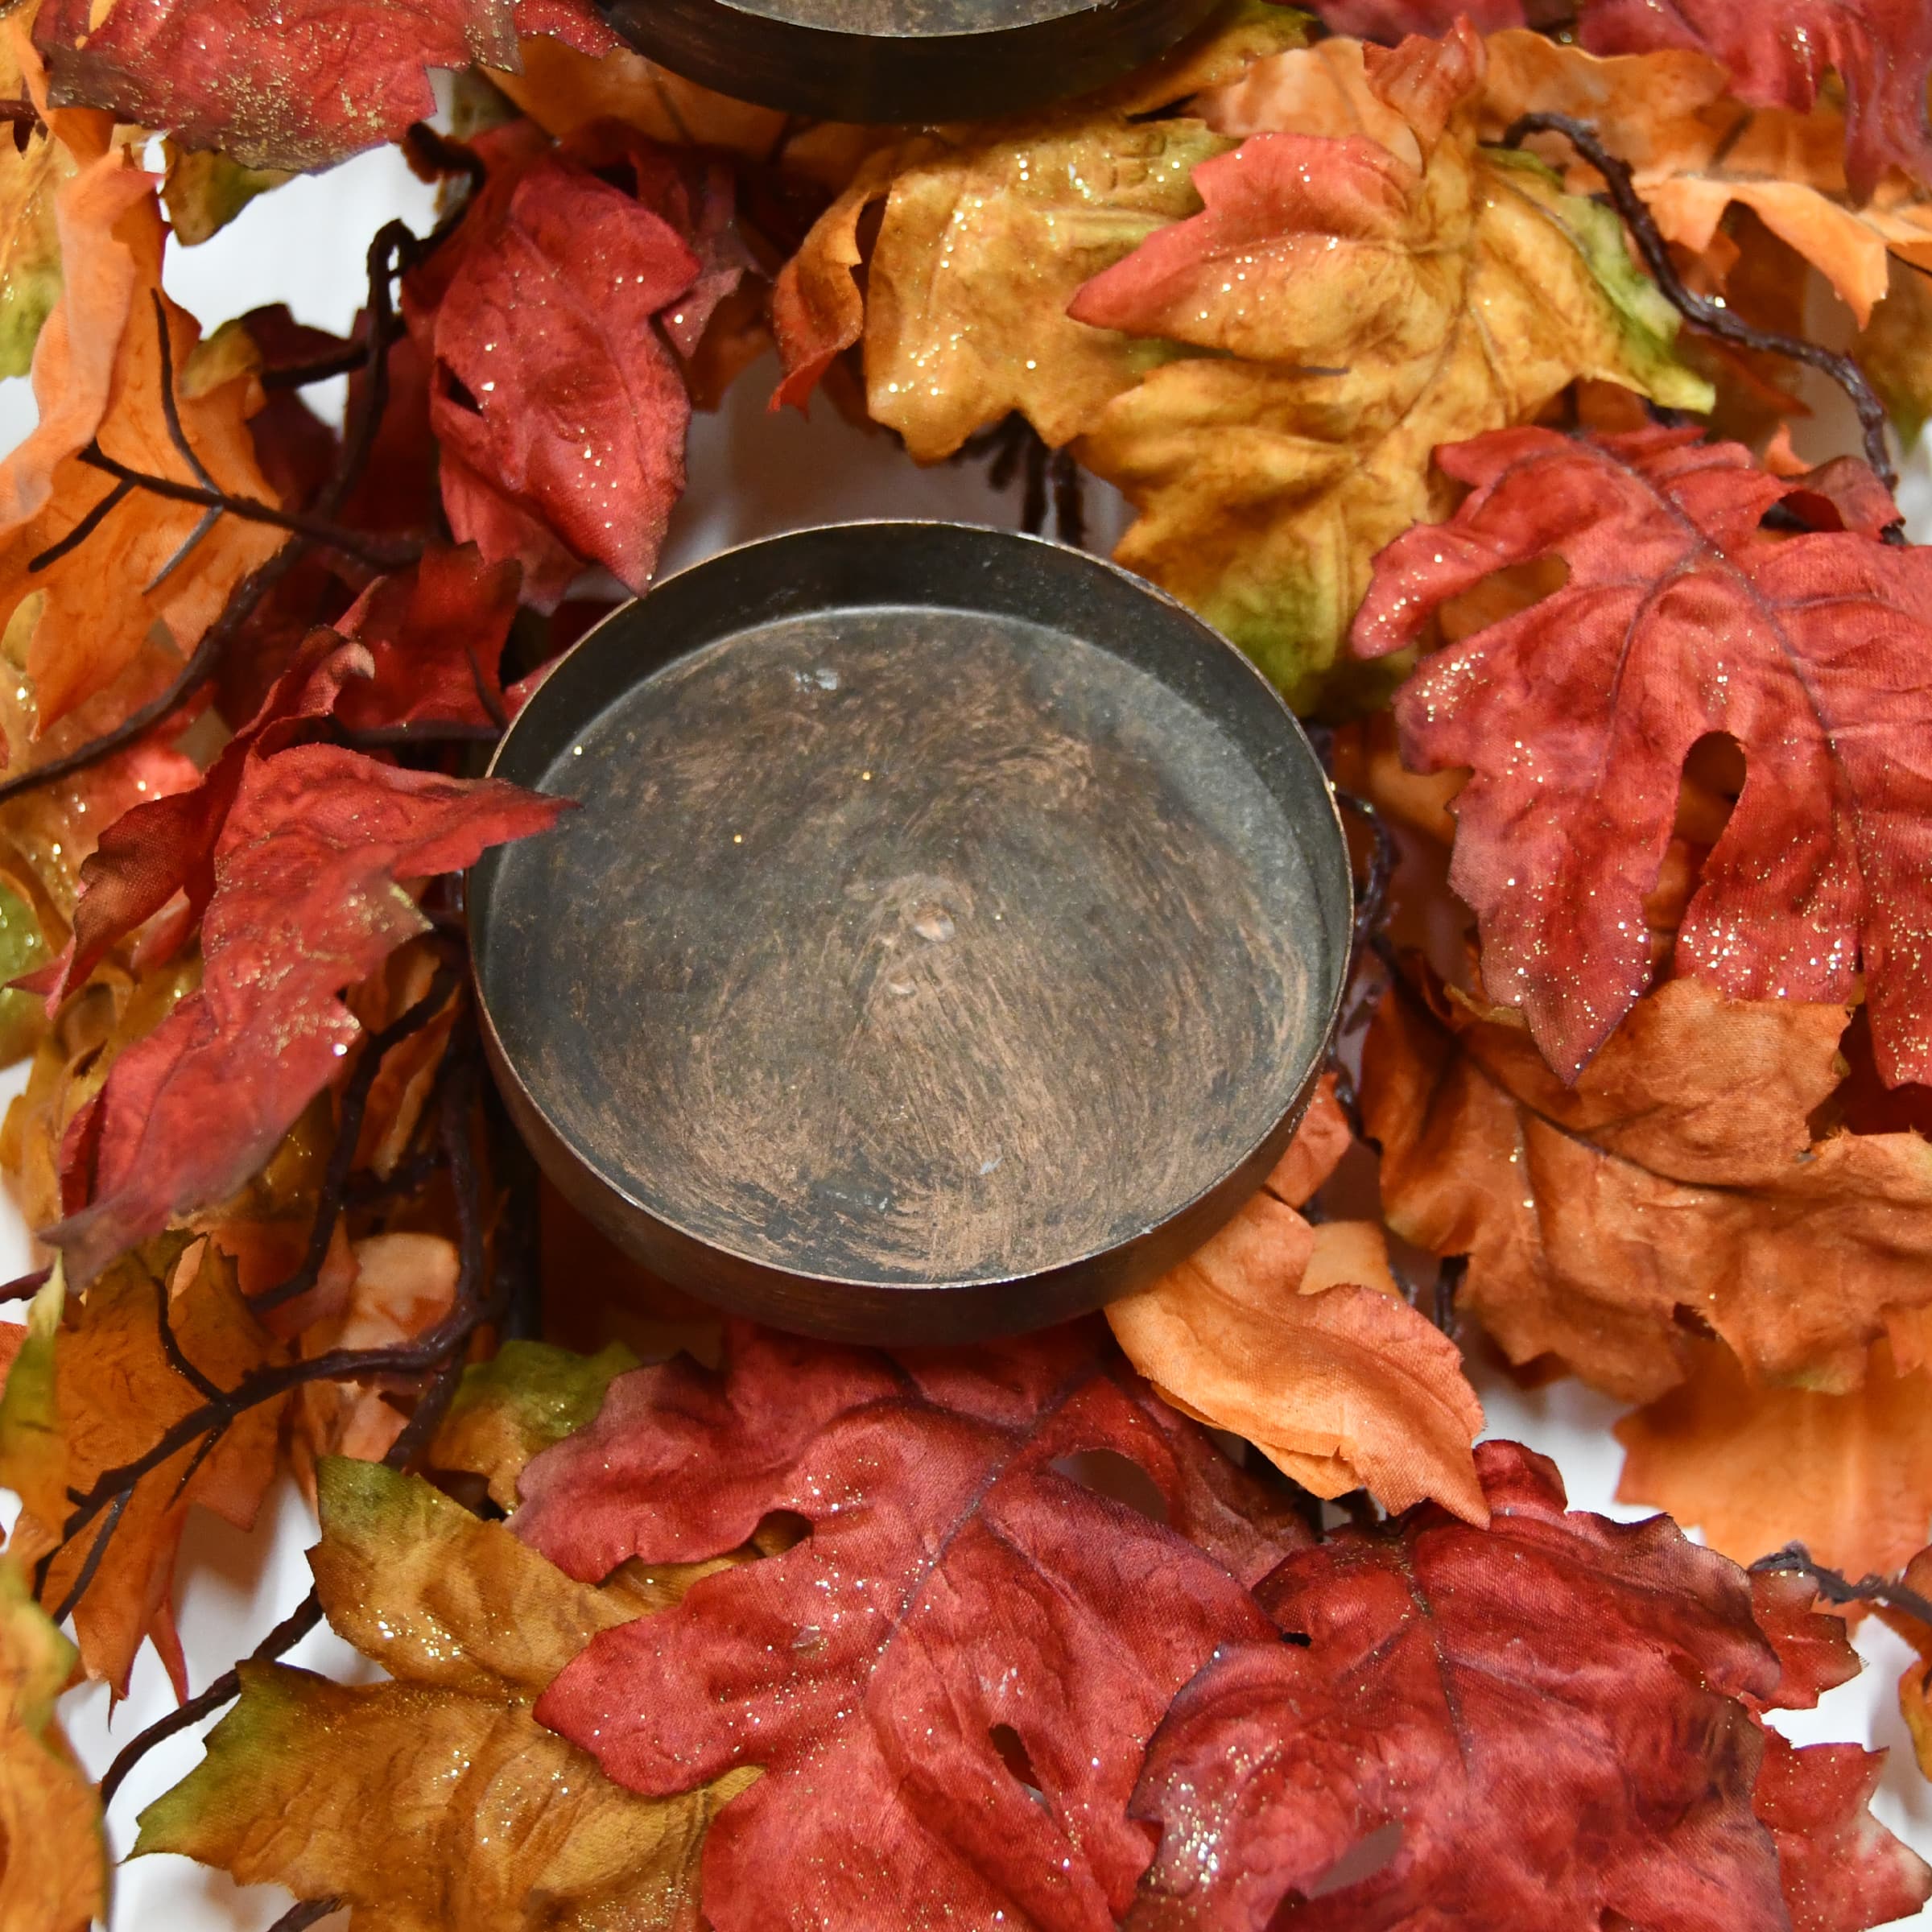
[(53, 1855), (986, 234), (1354, 300), (434, 1802)]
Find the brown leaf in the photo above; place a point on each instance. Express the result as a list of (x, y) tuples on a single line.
[(97, 374), (1675, 1191), (53, 1853), (1849, 1476), (110, 1390)]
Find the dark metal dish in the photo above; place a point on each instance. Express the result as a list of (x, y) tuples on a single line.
[(949, 935), (904, 61)]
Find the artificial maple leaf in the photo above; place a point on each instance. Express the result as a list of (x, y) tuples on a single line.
[(1915, 1685), (1695, 152), (306, 901), (285, 86), (1558, 1715), (434, 1802), (563, 90), (1896, 350), (1675, 1189), (435, 634), (1332, 290), (100, 1387), (1297, 1338), (984, 239), (955, 1583), (167, 845), (560, 407), (32, 172), (402, 1284), (98, 372), (525, 1399), (203, 192), (1849, 1476), (53, 1853), (1778, 53), (1679, 619), (1393, 20)]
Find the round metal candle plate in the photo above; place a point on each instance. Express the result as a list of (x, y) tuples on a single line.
[(949, 934), (904, 61)]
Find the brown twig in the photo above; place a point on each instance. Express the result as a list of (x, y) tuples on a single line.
[(468, 1310), (333, 1193), (394, 248), (223, 1689), (1700, 311), (378, 553), (1795, 1560)]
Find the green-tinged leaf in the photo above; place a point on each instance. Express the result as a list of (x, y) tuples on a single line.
[(30, 244), (526, 1397), (33, 1454), (203, 192), (434, 1802), (53, 1854)]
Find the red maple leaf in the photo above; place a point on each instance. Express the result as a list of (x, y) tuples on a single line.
[(290, 84), (306, 901), (166, 846), (1550, 1725), (435, 634), (556, 397), (957, 1585), (427, 644), (1680, 618), (1779, 52)]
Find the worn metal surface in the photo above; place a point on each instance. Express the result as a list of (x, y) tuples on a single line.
[(904, 61), (947, 937)]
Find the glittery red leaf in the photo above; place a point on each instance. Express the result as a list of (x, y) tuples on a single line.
[(957, 1584), (1550, 1725), (1779, 52), (435, 634), (559, 402), (1680, 618), (166, 845), (306, 901), (291, 83)]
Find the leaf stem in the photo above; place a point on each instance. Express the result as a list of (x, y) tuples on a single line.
[(1795, 1560)]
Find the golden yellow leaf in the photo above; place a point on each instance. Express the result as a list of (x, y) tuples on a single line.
[(53, 1854), (434, 1802), (987, 233), (1353, 303), (1675, 1190)]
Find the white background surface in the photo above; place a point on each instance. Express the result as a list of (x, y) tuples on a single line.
[(751, 473)]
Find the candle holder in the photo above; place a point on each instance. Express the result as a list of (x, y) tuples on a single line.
[(904, 61), (949, 934)]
